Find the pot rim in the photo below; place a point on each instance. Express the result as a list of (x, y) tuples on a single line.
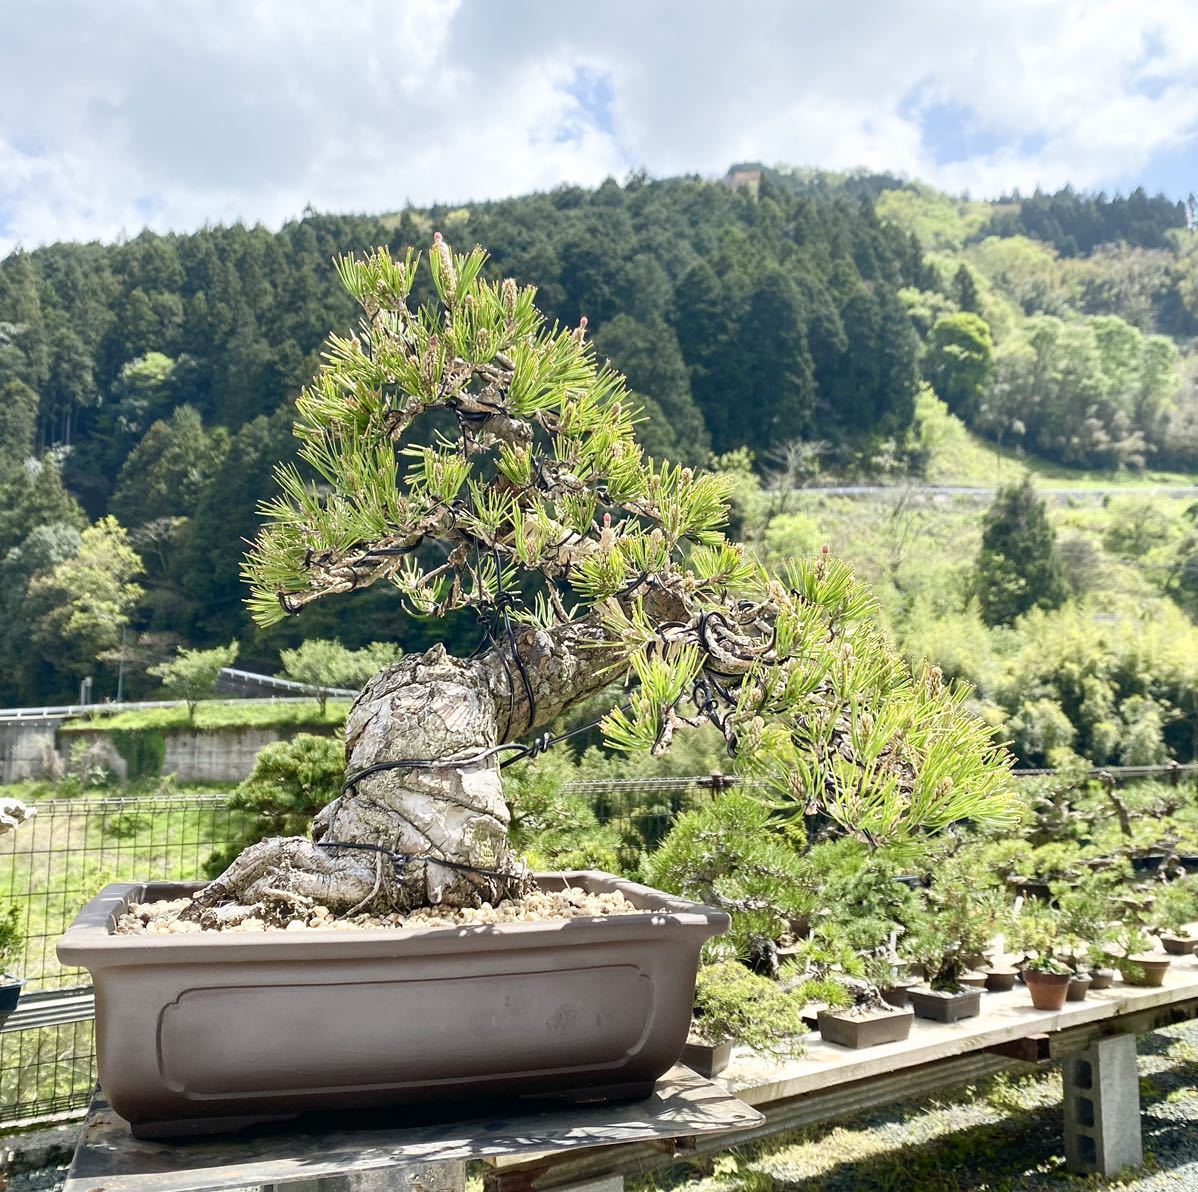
[(843, 1014), (1047, 978), (944, 994), (90, 939)]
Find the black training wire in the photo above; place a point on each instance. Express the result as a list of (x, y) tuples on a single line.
[(530, 750)]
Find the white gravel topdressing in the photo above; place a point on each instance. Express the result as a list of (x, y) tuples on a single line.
[(162, 918)]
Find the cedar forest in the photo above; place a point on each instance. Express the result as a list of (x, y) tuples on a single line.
[(796, 328)]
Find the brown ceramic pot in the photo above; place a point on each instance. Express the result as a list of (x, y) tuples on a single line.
[(1179, 945), (217, 1030), (896, 995), (946, 1007), (1048, 990), (865, 1030), (708, 1059), (1079, 986), (1147, 969), (1102, 978), (1001, 980)]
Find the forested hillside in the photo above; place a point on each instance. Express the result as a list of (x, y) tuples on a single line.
[(145, 387)]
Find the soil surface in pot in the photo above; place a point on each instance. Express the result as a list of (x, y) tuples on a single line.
[(162, 918)]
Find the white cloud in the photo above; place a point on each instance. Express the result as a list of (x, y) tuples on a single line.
[(131, 112)]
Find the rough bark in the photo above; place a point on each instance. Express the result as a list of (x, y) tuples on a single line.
[(438, 709)]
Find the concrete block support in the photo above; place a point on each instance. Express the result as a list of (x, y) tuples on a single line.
[(1102, 1108)]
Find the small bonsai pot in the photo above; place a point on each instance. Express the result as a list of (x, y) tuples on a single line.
[(942, 1006), (1102, 978), (855, 1027), (215, 1031), (896, 995), (10, 994), (1079, 986), (1000, 980), (1180, 945), (708, 1059), (1031, 888), (1146, 969), (973, 980), (1048, 990), (809, 1014)]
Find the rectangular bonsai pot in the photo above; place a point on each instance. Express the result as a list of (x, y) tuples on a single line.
[(946, 1007), (216, 1030), (708, 1059), (881, 1026)]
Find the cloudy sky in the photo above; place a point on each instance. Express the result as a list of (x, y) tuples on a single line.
[(115, 114)]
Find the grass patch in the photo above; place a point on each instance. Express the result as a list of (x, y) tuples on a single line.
[(217, 714)]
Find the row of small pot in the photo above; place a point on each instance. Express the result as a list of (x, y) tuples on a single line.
[(906, 1001)]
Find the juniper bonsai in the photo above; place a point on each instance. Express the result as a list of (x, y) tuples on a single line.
[(470, 426)]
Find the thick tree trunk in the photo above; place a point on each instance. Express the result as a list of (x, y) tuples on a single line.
[(431, 708)]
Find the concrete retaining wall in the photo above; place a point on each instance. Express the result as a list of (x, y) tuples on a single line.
[(22, 746), (210, 755)]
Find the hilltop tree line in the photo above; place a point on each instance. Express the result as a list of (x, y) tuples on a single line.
[(146, 387)]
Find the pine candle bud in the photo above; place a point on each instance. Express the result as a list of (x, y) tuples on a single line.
[(580, 334), (445, 259), (508, 295), (607, 536)]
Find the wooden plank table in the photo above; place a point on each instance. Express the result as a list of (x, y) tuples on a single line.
[(828, 1081), (404, 1148)]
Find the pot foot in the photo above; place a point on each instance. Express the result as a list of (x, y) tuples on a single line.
[(633, 1090), (201, 1126)]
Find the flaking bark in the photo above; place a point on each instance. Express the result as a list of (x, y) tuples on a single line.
[(434, 708)]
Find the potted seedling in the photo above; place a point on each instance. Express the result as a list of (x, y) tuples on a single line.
[(479, 459), (1137, 962), (1174, 914), (11, 938), (827, 973), (1037, 930), (735, 1006), (961, 914)]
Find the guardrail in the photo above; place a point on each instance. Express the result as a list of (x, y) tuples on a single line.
[(251, 679), (304, 692)]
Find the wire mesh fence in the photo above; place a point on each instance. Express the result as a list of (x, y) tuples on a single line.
[(73, 847)]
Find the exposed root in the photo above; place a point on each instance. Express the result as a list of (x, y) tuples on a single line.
[(284, 878)]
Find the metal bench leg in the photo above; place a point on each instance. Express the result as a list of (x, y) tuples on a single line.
[(1102, 1108)]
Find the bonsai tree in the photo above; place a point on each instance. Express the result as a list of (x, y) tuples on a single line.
[(727, 855), (733, 1003), (826, 968), (1038, 931), (475, 457), (961, 914)]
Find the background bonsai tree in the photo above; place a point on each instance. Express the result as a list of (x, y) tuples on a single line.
[(477, 458), (960, 915)]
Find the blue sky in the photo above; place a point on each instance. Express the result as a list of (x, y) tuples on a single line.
[(130, 113)]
